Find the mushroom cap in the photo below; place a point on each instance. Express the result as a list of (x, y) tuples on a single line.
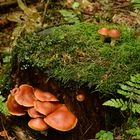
[(38, 124), (80, 97), (25, 95), (114, 33), (44, 95), (103, 31), (46, 108), (61, 119), (33, 113), (14, 91), (13, 107)]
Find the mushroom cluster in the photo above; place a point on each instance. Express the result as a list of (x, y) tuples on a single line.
[(43, 107), (113, 33)]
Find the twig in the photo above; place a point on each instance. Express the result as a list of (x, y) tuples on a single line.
[(45, 10), (4, 129), (7, 3), (87, 130)]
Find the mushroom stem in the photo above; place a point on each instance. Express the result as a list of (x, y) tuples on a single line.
[(114, 34), (113, 41)]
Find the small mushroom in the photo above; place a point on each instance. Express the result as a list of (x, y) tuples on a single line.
[(38, 124), (61, 119), (46, 108), (13, 107), (114, 34), (25, 95), (33, 113), (103, 32), (80, 97), (44, 96)]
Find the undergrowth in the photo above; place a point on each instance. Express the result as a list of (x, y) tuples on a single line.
[(130, 103), (131, 91)]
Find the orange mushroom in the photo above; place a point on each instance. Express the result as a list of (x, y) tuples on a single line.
[(33, 113), (25, 95), (38, 124), (114, 33), (61, 119), (103, 32), (14, 91), (44, 95), (80, 97), (14, 108), (46, 108)]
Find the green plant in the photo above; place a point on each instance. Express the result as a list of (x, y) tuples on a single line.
[(5, 77), (75, 5), (130, 102), (104, 135), (3, 107), (131, 91), (69, 16), (136, 4), (134, 133)]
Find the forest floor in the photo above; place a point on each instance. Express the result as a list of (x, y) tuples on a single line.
[(54, 13)]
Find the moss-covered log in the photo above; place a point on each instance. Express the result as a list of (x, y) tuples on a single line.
[(75, 53), (71, 59)]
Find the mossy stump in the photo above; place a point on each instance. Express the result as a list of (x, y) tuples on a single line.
[(71, 59)]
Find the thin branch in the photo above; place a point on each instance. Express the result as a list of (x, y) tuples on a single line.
[(4, 129), (45, 10), (87, 130)]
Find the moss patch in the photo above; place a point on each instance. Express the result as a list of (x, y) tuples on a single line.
[(75, 53)]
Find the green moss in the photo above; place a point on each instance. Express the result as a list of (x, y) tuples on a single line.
[(75, 53), (5, 80)]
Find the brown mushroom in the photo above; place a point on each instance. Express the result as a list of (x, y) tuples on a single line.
[(25, 95), (80, 97), (114, 34), (103, 32), (44, 95), (14, 91), (61, 119), (38, 124), (33, 113), (14, 108), (46, 108)]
